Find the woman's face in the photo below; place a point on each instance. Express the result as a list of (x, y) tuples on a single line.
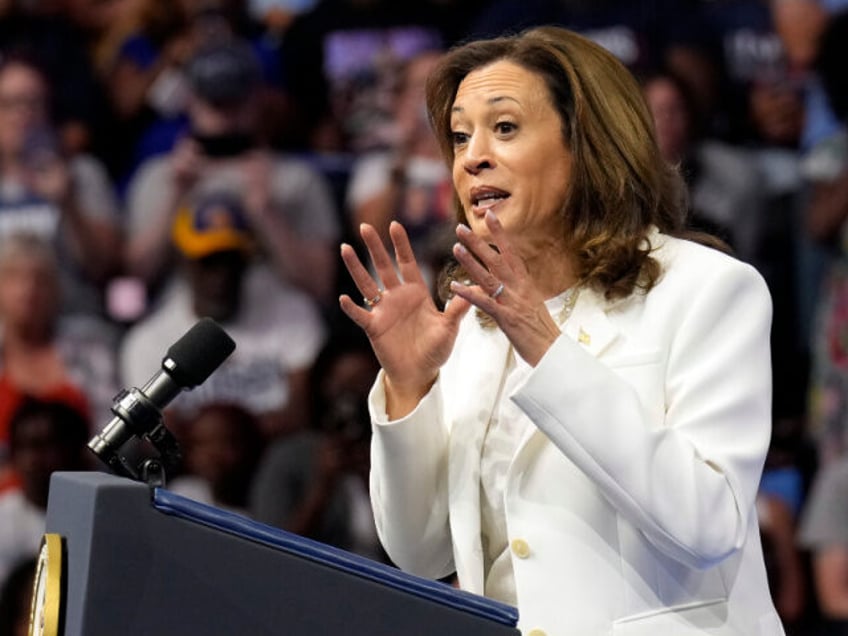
[(23, 105), (28, 291), (510, 155), (217, 446), (671, 120)]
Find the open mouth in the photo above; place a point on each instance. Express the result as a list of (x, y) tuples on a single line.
[(485, 199)]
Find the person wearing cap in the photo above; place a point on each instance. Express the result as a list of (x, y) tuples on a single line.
[(277, 328), (287, 203)]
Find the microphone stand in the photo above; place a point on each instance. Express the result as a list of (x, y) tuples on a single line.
[(145, 421)]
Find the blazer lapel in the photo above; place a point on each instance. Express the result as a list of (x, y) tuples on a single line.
[(590, 327), (477, 384)]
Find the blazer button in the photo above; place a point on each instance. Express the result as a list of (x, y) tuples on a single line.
[(521, 549), (536, 632)]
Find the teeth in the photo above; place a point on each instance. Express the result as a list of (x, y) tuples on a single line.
[(489, 198)]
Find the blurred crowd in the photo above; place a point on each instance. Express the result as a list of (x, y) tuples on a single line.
[(165, 161)]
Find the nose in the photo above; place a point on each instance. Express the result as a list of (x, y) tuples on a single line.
[(478, 154)]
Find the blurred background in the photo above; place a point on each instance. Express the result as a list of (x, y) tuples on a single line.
[(161, 161)]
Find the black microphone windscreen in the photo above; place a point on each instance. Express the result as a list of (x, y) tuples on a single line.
[(198, 353)]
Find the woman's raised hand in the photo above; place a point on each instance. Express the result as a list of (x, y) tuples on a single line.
[(410, 336), (504, 289)]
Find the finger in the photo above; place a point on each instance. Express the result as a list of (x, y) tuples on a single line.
[(383, 264), (456, 309), (486, 259), (363, 280), (475, 270), (500, 238), (353, 311), (407, 264), (474, 295)]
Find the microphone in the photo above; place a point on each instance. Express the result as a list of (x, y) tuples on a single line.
[(138, 412)]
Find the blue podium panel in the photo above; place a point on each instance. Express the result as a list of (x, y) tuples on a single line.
[(139, 562)]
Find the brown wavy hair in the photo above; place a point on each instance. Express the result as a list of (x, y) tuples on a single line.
[(620, 185)]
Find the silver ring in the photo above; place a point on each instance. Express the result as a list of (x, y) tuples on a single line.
[(497, 292), (370, 302)]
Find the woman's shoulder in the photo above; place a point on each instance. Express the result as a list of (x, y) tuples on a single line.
[(691, 269), (683, 256)]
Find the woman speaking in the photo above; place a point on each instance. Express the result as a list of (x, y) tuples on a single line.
[(581, 431)]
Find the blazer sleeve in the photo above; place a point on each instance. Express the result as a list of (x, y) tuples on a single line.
[(408, 482), (687, 482)]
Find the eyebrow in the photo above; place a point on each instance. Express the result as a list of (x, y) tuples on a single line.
[(491, 102)]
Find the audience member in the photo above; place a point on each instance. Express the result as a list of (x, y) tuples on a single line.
[(782, 557), (44, 353), (65, 199), (104, 25), (278, 330), (142, 71), (763, 112), (826, 168), (409, 182), (315, 483), (146, 77), (342, 64), (80, 104), (16, 597), (221, 445), (763, 94), (277, 15), (824, 525), (724, 184), (45, 436), (640, 34), (288, 204), (799, 24), (824, 532)]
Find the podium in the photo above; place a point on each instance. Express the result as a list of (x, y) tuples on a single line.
[(138, 561)]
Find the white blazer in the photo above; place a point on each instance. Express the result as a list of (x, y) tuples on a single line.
[(630, 504)]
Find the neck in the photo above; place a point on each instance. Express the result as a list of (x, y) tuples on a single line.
[(31, 336), (552, 271), (10, 162)]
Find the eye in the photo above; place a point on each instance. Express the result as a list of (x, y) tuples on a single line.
[(505, 127), (458, 138)]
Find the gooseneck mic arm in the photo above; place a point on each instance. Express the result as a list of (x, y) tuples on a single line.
[(138, 412)]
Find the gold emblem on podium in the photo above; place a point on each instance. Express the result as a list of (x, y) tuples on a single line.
[(45, 610)]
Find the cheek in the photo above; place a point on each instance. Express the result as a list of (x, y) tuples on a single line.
[(551, 184), (10, 134), (458, 177)]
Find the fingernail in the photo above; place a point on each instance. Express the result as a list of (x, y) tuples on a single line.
[(462, 228), (490, 216), (459, 248)]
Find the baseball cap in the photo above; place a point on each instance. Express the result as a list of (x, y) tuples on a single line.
[(215, 223), (224, 73)]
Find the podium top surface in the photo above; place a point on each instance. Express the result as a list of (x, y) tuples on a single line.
[(239, 525)]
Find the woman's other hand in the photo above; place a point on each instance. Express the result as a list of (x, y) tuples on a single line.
[(504, 289)]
